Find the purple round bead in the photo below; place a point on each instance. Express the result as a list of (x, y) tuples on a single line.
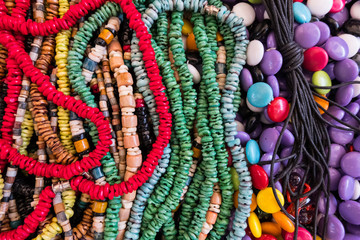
[(337, 151), (271, 62), (334, 179), (346, 187), (336, 48), (344, 95), (324, 32), (246, 79), (350, 211), (350, 164), (332, 203), (346, 70), (307, 35), (268, 139), (274, 84)]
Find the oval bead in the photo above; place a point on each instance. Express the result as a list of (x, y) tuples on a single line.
[(235, 197), (271, 228), (350, 164), (254, 225), (351, 237), (234, 178), (267, 237), (268, 139), (252, 152), (335, 229), (356, 194), (278, 109), (195, 73), (315, 59), (355, 10), (259, 178), (321, 79), (346, 187), (254, 52), (284, 222), (337, 6), (350, 211), (266, 200), (323, 104), (260, 94), (190, 43), (352, 43), (337, 48), (346, 70), (302, 13)]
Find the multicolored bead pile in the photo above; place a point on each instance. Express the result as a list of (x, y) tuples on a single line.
[(179, 119)]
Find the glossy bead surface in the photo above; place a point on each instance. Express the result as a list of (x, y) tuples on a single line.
[(254, 225), (350, 164), (337, 48), (260, 94), (346, 187), (271, 62), (284, 222), (271, 228), (245, 11), (253, 204), (303, 234), (302, 13), (252, 152), (350, 211), (335, 229), (278, 109), (266, 200), (337, 6), (346, 70), (319, 7), (254, 52), (315, 59), (307, 35), (260, 179)]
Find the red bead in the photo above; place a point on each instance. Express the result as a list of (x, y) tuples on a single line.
[(278, 109), (259, 178), (337, 6), (315, 59), (267, 237)]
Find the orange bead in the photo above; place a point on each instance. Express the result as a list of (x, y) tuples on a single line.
[(99, 207), (216, 198), (284, 222), (202, 236), (236, 202), (253, 205), (271, 228), (190, 43), (219, 37), (211, 217), (81, 145), (106, 35), (322, 102)]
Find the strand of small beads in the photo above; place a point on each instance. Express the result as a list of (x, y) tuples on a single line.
[(62, 45)]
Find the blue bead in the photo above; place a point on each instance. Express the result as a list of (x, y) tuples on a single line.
[(89, 64), (302, 13), (252, 151), (260, 94), (97, 173)]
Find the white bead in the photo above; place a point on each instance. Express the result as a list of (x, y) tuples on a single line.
[(356, 87), (355, 10), (239, 126), (252, 108), (195, 73), (245, 11), (264, 120), (356, 194), (319, 7), (352, 43), (183, 38), (254, 53), (266, 15)]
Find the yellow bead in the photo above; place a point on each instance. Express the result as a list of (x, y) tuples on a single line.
[(254, 225), (253, 203), (318, 238), (284, 222), (187, 27), (267, 202), (271, 228), (190, 43), (219, 37)]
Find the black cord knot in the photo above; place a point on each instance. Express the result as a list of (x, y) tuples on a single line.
[(292, 56)]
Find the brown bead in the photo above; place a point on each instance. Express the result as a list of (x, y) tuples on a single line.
[(124, 79), (127, 101), (131, 141), (114, 46), (124, 214), (216, 198), (81, 145), (129, 121), (211, 217), (133, 161), (116, 62)]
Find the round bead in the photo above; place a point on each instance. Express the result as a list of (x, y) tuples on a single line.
[(307, 35), (252, 152), (346, 187), (355, 10), (267, 202), (350, 164), (336, 153), (324, 32), (352, 43), (323, 103), (267, 237), (337, 48), (350, 211), (337, 6), (271, 62), (245, 11), (260, 179), (315, 59), (302, 234), (346, 70), (278, 109), (253, 204), (271, 228), (254, 225), (268, 139), (335, 229), (260, 94), (254, 53), (319, 7)]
